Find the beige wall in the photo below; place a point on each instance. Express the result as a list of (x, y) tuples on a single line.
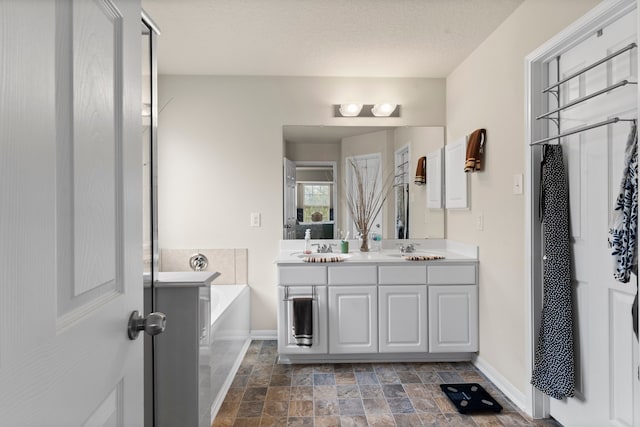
[(309, 151), (220, 157), (487, 90)]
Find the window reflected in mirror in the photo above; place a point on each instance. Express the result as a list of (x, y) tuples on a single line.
[(315, 200)]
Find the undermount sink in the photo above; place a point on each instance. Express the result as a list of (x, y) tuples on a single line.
[(325, 255), (416, 253)]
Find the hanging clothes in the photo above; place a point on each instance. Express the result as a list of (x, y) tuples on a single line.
[(623, 234), (553, 370)]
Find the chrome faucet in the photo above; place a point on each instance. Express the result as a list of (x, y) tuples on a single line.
[(408, 249), (324, 248)]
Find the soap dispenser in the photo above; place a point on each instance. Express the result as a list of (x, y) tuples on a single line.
[(307, 241)]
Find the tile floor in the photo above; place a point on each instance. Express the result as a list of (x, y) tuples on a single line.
[(265, 393)]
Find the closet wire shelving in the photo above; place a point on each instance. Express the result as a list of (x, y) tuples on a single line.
[(554, 90)]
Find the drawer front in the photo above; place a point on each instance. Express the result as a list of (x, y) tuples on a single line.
[(353, 275), (303, 275), (402, 275), (461, 274)]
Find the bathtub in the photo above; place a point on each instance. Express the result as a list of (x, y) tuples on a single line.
[(224, 339)]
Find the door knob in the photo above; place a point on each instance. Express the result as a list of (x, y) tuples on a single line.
[(153, 324)]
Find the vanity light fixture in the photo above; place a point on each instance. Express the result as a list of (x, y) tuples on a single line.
[(366, 110), (350, 110)]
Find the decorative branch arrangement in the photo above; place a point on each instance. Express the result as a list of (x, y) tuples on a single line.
[(365, 198)]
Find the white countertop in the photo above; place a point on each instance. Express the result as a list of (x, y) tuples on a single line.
[(291, 252)]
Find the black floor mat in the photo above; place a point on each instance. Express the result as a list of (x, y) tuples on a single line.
[(470, 398)]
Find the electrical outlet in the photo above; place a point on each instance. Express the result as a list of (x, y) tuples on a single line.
[(255, 219), (480, 221), (517, 183)]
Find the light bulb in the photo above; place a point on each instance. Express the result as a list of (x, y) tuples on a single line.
[(350, 110), (383, 110)]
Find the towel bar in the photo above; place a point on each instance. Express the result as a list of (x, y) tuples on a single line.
[(582, 129), (287, 298), (584, 98), (589, 67)]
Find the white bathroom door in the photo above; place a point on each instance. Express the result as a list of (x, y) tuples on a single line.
[(70, 213), (606, 391)]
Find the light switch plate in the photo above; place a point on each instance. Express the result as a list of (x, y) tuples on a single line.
[(255, 219)]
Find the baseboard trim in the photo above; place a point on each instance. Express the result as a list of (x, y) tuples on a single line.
[(264, 334), (516, 396)]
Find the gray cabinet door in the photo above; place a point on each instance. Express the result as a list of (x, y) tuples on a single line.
[(453, 318), (353, 319), (403, 318)]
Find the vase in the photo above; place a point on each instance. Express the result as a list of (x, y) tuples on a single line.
[(364, 242)]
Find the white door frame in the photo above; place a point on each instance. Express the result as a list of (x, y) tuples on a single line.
[(535, 78), (288, 169), (404, 149)]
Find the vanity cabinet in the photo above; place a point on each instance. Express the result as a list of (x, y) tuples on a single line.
[(353, 316), (382, 311)]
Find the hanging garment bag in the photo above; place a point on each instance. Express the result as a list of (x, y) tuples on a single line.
[(553, 370)]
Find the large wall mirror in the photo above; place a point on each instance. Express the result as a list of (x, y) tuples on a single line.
[(317, 168)]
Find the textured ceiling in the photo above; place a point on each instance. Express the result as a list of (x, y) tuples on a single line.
[(356, 38)]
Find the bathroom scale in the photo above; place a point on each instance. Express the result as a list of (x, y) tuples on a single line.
[(470, 397)]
